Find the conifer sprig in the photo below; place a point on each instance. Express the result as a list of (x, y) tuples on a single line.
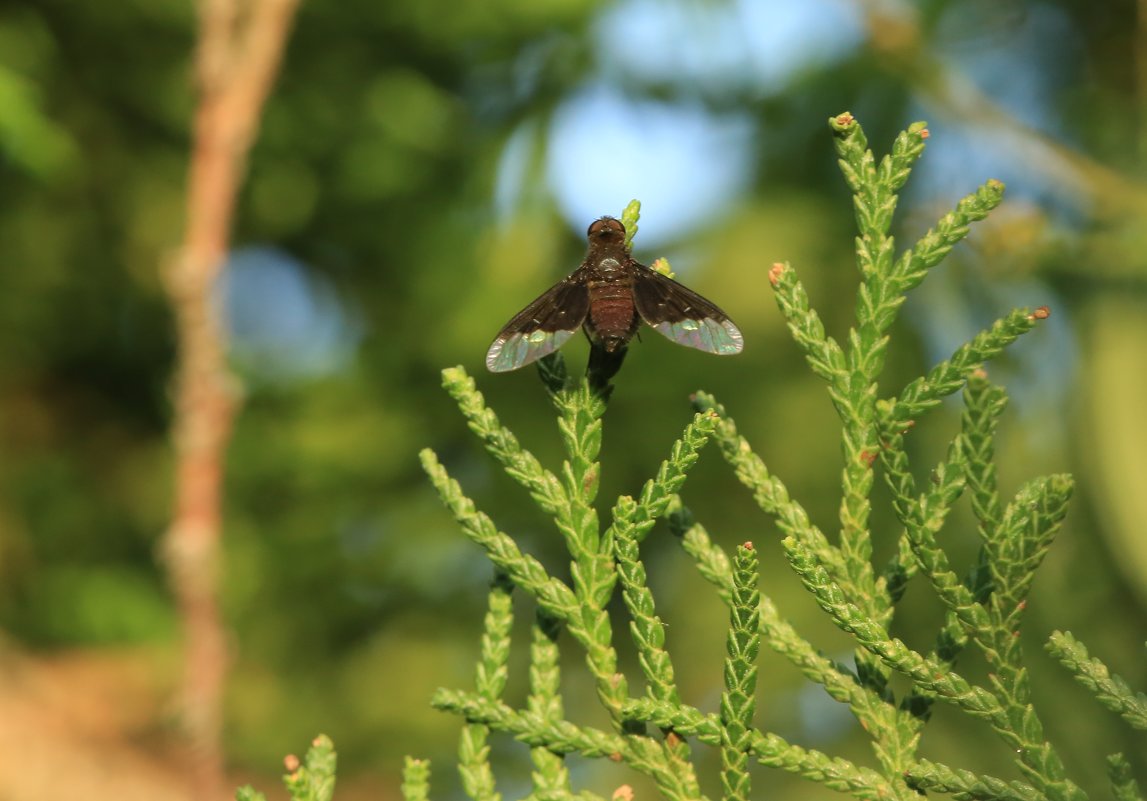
[(984, 605), (738, 701), (1109, 689)]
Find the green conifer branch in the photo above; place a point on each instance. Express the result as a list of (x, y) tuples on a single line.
[(878, 299), (314, 780), (525, 571), (639, 752), (899, 729), (823, 353), (974, 450), (489, 682), (519, 464), (580, 428), (682, 719), (631, 522), (930, 249), (738, 701), (897, 743), (550, 776), (658, 492), (1123, 784), (923, 516), (871, 708), (492, 670), (678, 764), (769, 491), (835, 773), (927, 672), (962, 784), (1013, 555), (1029, 524), (561, 737), (474, 763), (874, 188), (592, 568), (853, 388), (658, 761), (415, 779), (1109, 689), (1025, 534), (629, 217), (770, 750), (1007, 709), (949, 376), (646, 627), (983, 404)]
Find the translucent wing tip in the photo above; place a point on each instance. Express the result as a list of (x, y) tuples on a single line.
[(495, 362), (519, 349), (719, 337), (736, 339)]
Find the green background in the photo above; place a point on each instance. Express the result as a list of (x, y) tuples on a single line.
[(408, 193)]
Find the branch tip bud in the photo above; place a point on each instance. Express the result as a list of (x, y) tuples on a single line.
[(775, 273)]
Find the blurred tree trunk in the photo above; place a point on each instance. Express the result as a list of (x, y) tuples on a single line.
[(239, 48)]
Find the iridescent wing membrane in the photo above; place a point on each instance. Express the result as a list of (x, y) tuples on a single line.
[(682, 315), (540, 328)]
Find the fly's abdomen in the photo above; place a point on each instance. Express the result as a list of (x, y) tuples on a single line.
[(612, 316)]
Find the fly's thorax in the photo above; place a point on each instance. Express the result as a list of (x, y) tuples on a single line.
[(610, 270), (610, 267), (610, 278)]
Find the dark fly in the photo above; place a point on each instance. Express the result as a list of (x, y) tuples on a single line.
[(609, 295)]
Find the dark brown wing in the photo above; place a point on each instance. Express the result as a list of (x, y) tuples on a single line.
[(682, 315), (542, 327)]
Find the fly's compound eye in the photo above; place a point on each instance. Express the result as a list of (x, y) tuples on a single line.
[(606, 226)]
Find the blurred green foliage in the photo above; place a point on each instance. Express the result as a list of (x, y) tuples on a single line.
[(348, 589)]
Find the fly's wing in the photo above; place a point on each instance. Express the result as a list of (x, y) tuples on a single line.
[(682, 315), (540, 328)]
